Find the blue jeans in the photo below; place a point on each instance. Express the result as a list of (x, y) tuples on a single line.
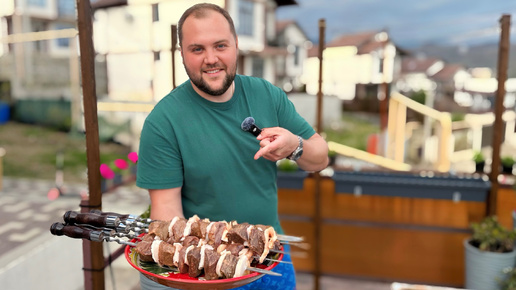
[(286, 282)]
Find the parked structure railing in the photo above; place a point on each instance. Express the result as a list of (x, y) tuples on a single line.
[(447, 142)]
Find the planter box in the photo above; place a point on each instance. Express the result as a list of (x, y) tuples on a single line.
[(291, 180), (411, 185)]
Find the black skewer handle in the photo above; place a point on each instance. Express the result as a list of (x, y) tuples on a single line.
[(73, 217), (60, 229), (103, 213)]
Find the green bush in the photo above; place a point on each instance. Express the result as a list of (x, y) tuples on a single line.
[(489, 235), (478, 157), (287, 165), (507, 161)]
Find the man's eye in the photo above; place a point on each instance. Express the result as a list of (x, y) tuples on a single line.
[(197, 49), (221, 46)]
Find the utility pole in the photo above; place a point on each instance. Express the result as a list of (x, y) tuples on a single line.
[(503, 63)]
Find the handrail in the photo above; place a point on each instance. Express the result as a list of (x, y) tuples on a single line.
[(368, 157), (398, 105)]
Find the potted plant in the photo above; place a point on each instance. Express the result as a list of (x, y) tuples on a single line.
[(507, 164), (488, 252), (289, 175), (480, 161)]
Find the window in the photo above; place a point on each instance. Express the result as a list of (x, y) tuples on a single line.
[(37, 3), (66, 8), (257, 67), (296, 55), (245, 17), (155, 13)]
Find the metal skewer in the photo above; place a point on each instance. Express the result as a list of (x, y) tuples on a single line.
[(263, 271), (122, 242), (274, 260), (304, 246), (287, 238)]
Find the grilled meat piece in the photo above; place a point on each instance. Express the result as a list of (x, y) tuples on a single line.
[(190, 240), (238, 233), (166, 254), (257, 241), (216, 232), (199, 228), (188, 226), (228, 266), (160, 229), (143, 248), (182, 263), (176, 231), (193, 258), (235, 249), (211, 257)]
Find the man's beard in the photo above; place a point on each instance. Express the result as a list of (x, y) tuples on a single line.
[(204, 87)]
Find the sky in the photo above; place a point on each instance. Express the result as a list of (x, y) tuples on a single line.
[(410, 23)]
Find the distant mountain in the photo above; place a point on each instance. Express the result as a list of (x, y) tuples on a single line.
[(482, 55)]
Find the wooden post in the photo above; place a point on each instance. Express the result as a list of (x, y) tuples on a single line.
[(93, 255), (173, 45), (317, 176), (503, 62)]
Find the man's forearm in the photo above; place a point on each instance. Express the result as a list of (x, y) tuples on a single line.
[(315, 154)]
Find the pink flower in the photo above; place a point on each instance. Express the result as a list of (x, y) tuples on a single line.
[(106, 172), (133, 156), (121, 164)]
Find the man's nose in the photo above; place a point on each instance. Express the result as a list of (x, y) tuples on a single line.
[(211, 57)]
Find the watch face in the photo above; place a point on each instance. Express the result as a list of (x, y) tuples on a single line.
[(297, 154)]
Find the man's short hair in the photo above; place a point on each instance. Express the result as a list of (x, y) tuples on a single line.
[(200, 11)]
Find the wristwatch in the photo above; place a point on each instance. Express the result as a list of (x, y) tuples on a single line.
[(298, 152)]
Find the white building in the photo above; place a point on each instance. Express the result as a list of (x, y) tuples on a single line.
[(354, 65)]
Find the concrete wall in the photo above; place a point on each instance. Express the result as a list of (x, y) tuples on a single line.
[(306, 105)]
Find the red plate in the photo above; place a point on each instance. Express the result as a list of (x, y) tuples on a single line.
[(183, 281)]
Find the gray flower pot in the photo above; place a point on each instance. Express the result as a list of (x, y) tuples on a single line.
[(484, 270)]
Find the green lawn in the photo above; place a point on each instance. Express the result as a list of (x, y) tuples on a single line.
[(31, 152), (353, 131)]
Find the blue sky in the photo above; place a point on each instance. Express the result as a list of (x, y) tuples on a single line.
[(410, 23)]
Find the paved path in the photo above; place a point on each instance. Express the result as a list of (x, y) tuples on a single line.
[(26, 215)]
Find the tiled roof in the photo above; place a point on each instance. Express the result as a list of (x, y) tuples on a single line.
[(447, 72), (417, 65), (352, 39), (281, 25), (365, 42)]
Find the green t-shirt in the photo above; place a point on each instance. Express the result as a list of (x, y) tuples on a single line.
[(191, 142)]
